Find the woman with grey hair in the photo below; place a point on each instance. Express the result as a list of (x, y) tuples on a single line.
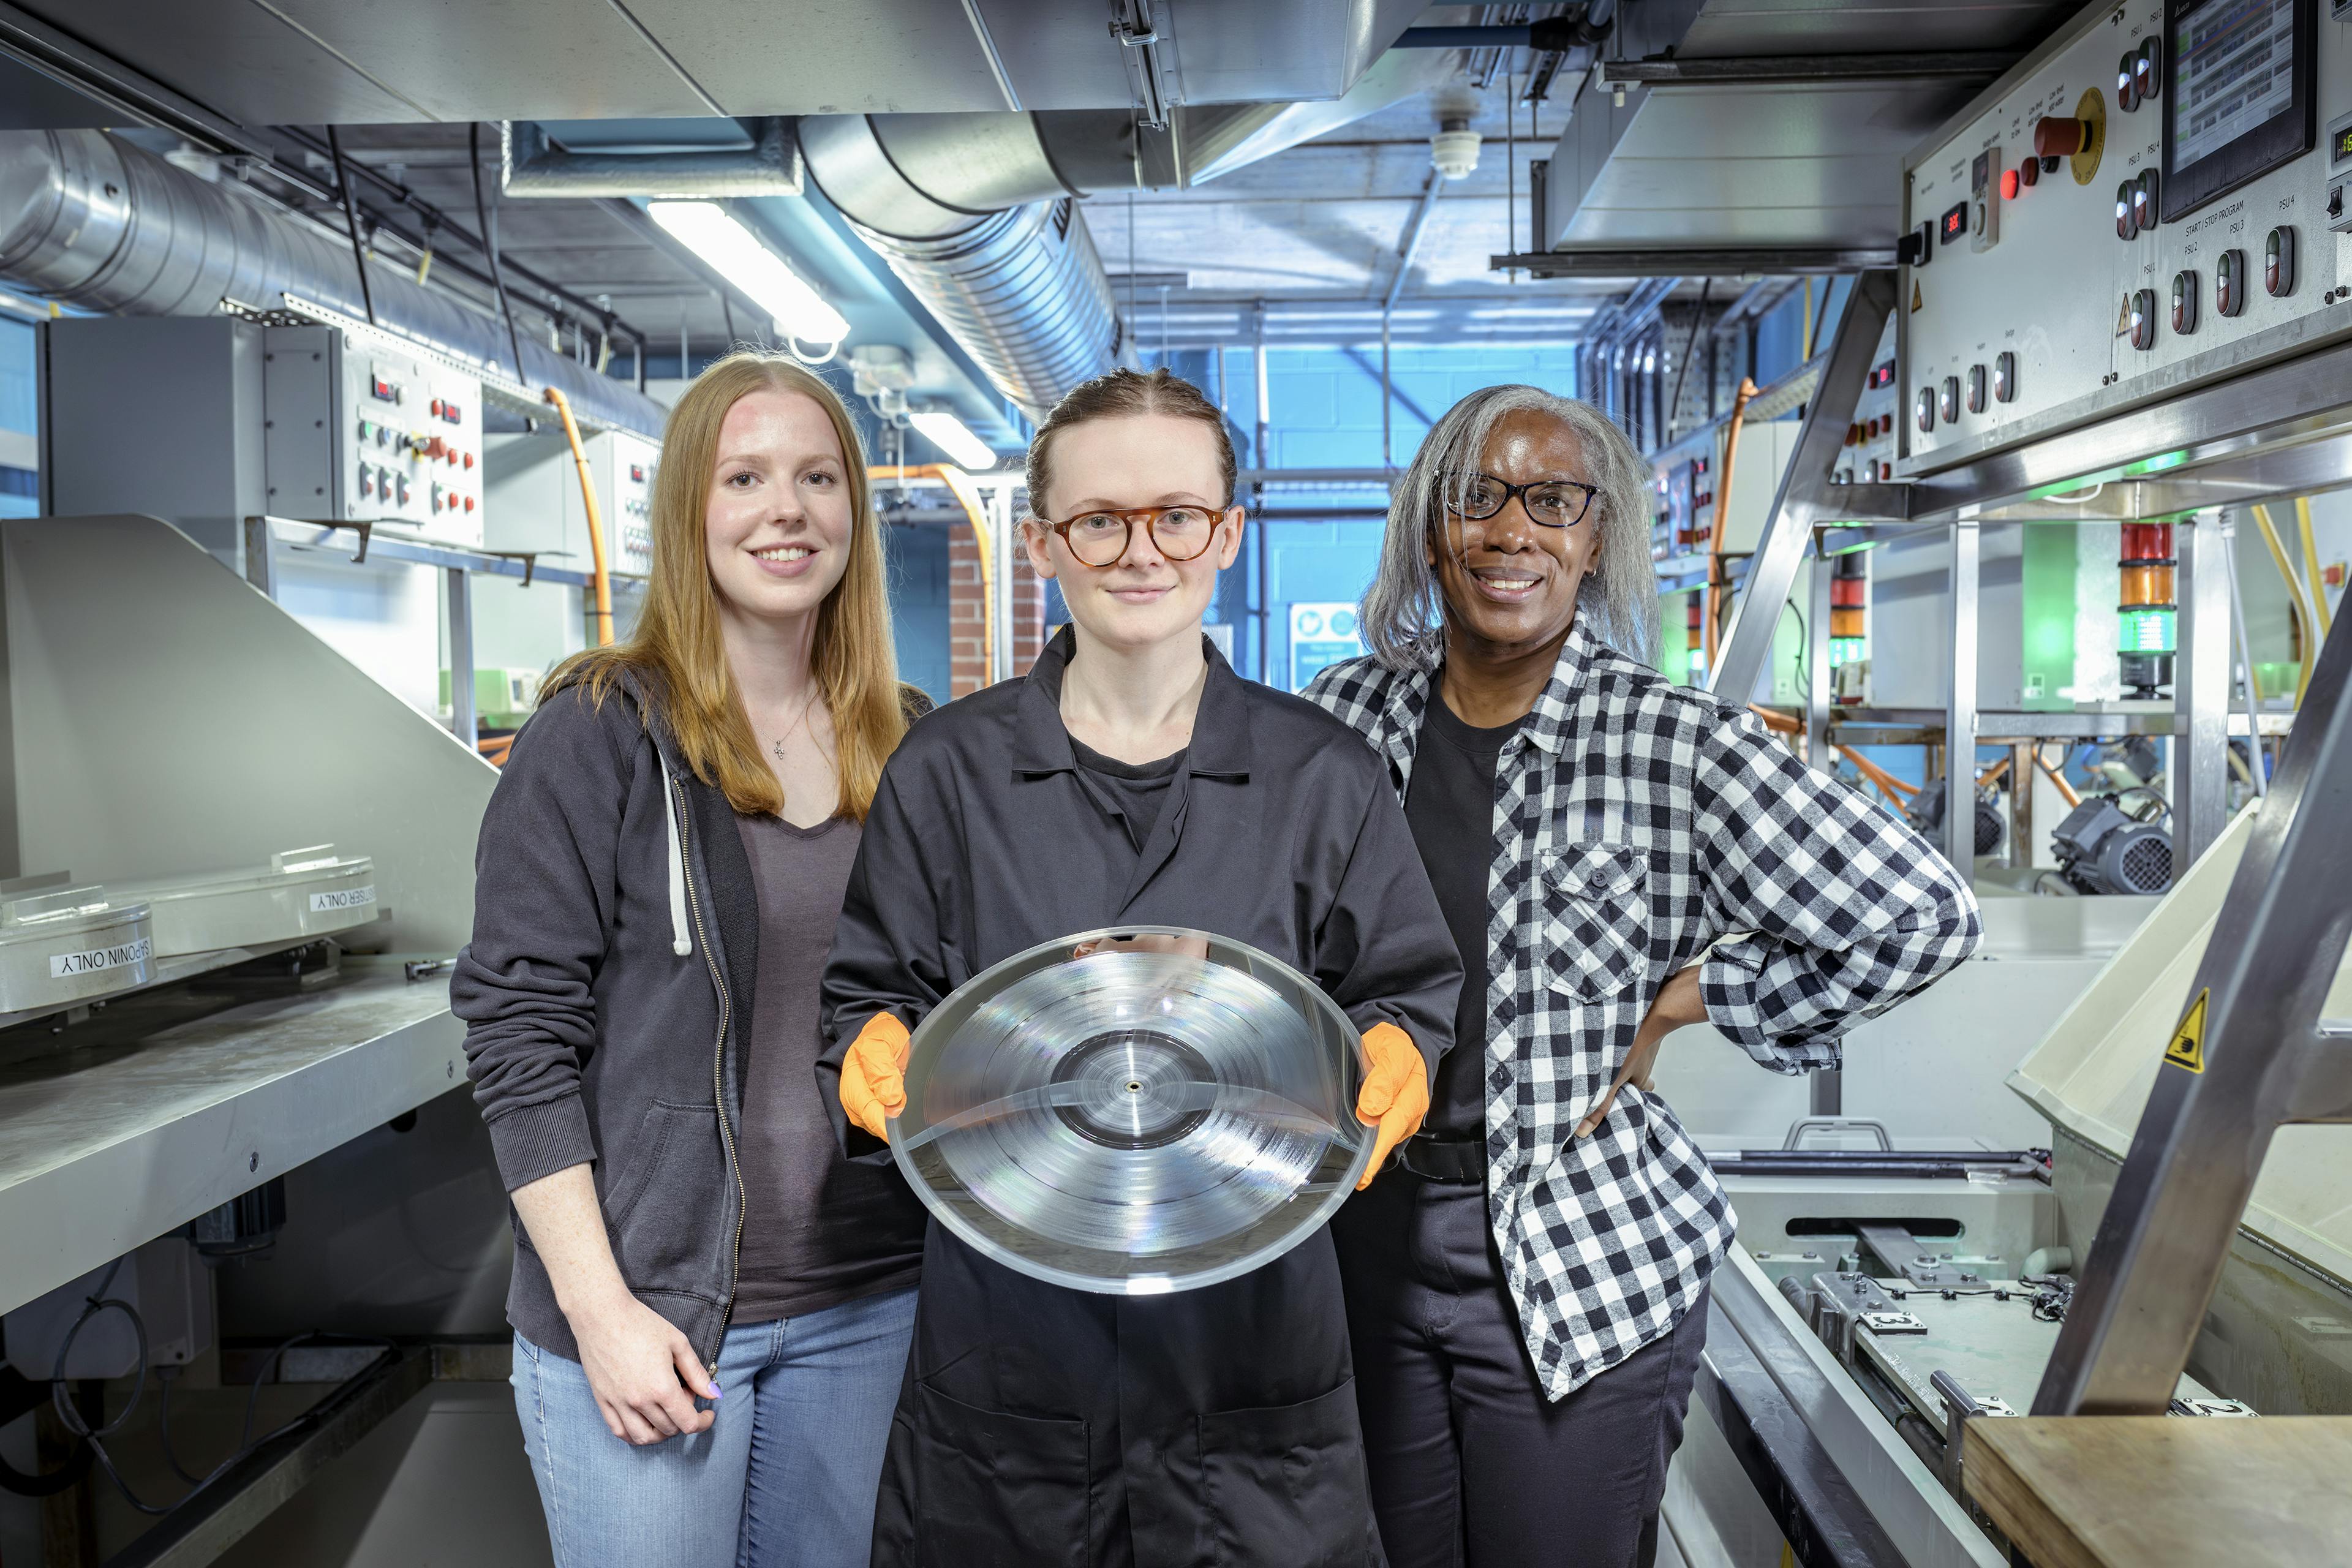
[(1617, 857)]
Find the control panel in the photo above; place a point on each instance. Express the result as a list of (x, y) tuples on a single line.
[(2156, 197), (1872, 441), (533, 488), (359, 431)]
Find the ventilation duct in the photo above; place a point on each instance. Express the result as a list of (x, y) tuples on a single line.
[(94, 221), (975, 215), (970, 213), (531, 166)]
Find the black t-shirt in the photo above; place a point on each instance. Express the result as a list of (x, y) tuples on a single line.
[(1450, 806), (1135, 790)]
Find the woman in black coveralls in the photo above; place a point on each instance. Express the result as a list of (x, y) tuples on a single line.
[(1132, 777)]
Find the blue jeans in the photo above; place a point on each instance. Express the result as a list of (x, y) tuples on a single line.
[(783, 1478)]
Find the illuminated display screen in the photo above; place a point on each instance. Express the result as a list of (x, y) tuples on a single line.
[(1955, 224), (2340, 147), (2233, 70)]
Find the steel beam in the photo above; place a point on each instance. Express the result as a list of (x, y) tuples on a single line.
[(458, 589), (1647, 262), (1806, 497), (1776, 70), (107, 80), (2262, 1055), (1960, 707), (2200, 694)]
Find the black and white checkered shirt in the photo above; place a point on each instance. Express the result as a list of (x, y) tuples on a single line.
[(1635, 822)]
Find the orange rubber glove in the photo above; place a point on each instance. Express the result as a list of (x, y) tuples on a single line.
[(1396, 1095), (873, 1075)]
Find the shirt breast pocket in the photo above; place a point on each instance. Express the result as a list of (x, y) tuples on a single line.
[(1596, 911)]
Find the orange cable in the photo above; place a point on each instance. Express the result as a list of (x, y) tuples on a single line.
[(603, 577), (1723, 517)]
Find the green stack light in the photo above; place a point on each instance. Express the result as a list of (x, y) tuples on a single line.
[(2147, 631)]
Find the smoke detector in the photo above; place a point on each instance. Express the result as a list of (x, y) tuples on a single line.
[(1454, 150)]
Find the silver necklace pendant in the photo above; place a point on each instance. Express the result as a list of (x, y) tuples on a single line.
[(779, 750)]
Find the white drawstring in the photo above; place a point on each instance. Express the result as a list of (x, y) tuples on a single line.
[(680, 942)]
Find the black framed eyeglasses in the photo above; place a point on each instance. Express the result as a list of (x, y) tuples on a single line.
[(1554, 503), (1100, 538)]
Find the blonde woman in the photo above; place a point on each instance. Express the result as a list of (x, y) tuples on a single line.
[(711, 1311)]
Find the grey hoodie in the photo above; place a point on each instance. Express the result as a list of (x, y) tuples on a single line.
[(615, 931)]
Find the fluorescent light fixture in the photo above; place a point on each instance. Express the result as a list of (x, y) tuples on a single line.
[(952, 436), (737, 253)]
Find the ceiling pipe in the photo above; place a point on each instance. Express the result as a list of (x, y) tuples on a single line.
[(93, 221)]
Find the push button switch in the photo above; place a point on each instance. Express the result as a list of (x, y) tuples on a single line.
[(2229, 282), (2139, 318), (1948, 405), (2278, 263), (1975, 389), (1927, 409), (2004, 378), (2184, 304)]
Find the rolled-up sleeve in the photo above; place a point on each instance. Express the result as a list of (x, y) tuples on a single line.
[(1838, 910)]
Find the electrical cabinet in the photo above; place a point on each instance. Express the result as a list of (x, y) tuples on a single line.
[(363, 432), (2148, 202), (206, 420), (533, 492)]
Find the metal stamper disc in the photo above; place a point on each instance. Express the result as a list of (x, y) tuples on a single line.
[(1135, 1110)]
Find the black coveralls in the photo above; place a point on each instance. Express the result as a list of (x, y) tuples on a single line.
[(1040, 1424)]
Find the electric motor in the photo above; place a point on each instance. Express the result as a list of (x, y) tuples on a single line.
[(2103, 850)]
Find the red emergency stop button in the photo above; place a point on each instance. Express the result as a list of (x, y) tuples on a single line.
[(2056, 137)]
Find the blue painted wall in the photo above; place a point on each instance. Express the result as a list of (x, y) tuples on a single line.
[(1325, 407), (918, 605), (19, 486)]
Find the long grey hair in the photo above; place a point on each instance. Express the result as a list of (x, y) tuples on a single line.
[(1403, 613)]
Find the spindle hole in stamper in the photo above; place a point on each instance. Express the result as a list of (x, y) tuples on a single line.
[(1136, 1088)]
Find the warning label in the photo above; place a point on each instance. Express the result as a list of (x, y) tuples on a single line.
[(2188, 1047)]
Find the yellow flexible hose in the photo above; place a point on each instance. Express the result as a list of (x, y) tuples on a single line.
[(603, 577), (2311, 565), (2297, 600)]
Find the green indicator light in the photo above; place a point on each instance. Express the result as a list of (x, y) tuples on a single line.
[(2145, 631)]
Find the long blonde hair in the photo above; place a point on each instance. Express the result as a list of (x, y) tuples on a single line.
[(677, 648)]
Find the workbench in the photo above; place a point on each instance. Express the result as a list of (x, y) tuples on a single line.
[(162, 1106), (2163, 1491)]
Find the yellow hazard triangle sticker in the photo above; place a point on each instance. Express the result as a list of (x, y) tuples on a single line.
[(2188, 1047), (2123, 319), (1916, 300)]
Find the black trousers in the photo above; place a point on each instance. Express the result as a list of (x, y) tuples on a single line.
[(1471, 1466)]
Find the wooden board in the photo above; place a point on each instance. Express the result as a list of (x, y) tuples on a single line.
[(2151, 1491)]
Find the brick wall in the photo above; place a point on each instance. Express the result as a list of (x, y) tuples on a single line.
[(967, 620)]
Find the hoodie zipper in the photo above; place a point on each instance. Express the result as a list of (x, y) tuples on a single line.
[(718, 1077)]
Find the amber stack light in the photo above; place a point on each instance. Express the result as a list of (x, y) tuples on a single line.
[(2145, 636)]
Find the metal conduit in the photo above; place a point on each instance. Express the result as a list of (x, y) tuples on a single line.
[(968, 211), (94, 221)]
